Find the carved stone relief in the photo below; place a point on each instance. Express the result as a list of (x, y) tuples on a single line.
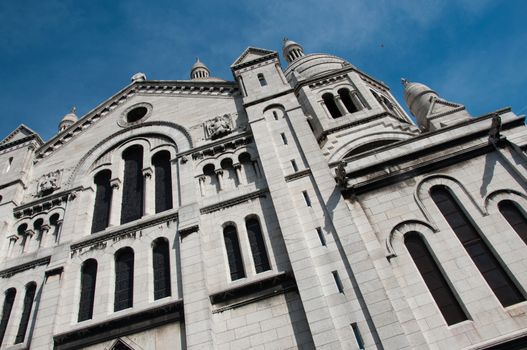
[(49, 183), (219, 126)]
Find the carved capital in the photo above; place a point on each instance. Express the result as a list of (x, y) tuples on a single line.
[(13, 238), (183, 160), (29, 233), (237, 166), (219, 171), (201, 178), (115, 183), (148, 172), (45, 228)]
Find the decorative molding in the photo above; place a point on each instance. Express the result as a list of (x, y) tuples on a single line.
[(297, 175), (234, 201), (133, 127), (6, 273), (140, 87), (54, 271), (124, 123), (100, 241), (131, 323), (251, 292), (188, 230), (211, 149), (327, 80), (45, 203)]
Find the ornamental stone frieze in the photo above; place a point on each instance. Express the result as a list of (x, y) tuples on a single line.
[(49, 183), (218, 126)]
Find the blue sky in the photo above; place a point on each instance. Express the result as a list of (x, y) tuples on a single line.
[(56, 54)]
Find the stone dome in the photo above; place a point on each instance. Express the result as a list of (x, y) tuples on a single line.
[(69, 119), (315, 64), (418, 98)]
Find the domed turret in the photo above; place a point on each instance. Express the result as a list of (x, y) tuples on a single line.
[(431, 111), (199, 70), (292, 50), (139, 76), (418, 98), (68, 120)]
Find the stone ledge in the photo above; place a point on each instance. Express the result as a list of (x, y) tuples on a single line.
[(121, 326), (6, 273), (251, 292), (233, 201)]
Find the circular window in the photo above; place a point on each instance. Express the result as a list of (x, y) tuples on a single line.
[(136, 114)]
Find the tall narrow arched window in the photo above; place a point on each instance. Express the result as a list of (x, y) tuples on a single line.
[(434, 279), (497, 278), (103, 201), (345, 96), (161, 264), (262, 80), (331, 105), (31, 289), (515, 216), (88, 280), (9, 300), (133, 183), (234, 255), (163, 176), (261, 261), (124, 279)]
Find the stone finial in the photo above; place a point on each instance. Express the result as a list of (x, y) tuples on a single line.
[(199, 70), (139, 76), (405, 82), (291, 50)]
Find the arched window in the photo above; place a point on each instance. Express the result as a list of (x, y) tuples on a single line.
[(124, 279), (37, 227), (515, 216), (500, 283), (6, 311), (345, 96), (31, 288), (434, 279), (132, 205), (163, 175), (261, 79), (331, 105), (161, 264), (261, 261), (21, 230), (88, 281), (234, 255), (103, 201)]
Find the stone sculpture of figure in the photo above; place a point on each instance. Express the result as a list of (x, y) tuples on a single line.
[(48, 183), (219, 126)]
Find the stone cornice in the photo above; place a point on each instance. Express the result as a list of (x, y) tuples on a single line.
[(253, 291), (319, 79), (6, 273), (297, 175), (121, 232), (233, 201), (131, 323), (213, 88), (232, 142), (266, 54), (44, 203), (330, 131)]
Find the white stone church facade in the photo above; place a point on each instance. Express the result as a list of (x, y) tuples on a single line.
[(297, 208)]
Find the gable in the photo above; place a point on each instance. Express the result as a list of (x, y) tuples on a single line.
[(251, 54), (21, 133), (440, 107)]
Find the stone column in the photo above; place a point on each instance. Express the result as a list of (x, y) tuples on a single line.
[(340, 105), (325, 108), (239, 176), (356, 99), (26, 243), (256, 168), (58, 229), (149, 197), (115, 207), (12, 243), (201, 182), (219, 176), (44, 236), (32, 243)]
